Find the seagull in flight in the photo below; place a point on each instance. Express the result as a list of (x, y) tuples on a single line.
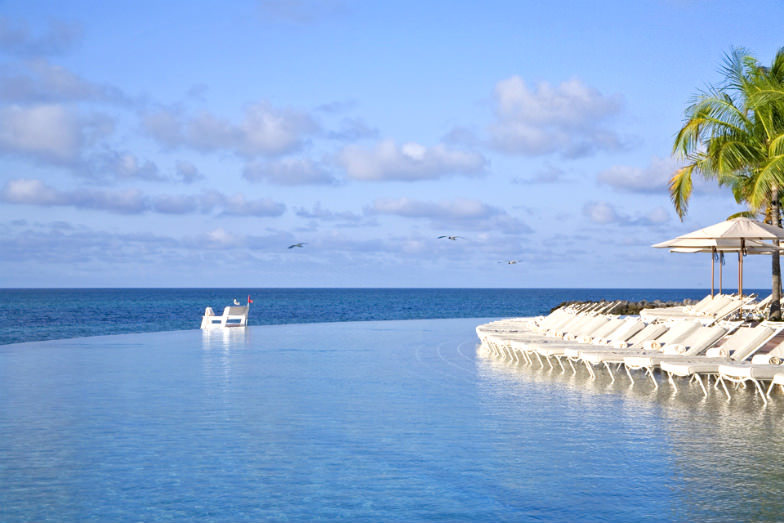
[(449, 237), (236, 302), (300, 244)]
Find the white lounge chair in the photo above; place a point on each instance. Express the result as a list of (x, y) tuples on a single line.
[(628, 328), (761, 368), (686, 342), (617, 350), (738, 346)]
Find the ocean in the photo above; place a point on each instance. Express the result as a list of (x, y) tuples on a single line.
[(353, 405), (47, 314)]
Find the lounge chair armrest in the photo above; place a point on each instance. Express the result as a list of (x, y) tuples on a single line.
[(675, 348), (717, 352)]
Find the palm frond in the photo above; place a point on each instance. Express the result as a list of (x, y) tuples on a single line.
[(680, 189), (742, 214)]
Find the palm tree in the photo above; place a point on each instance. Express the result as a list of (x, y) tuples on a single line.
[(734, 134)]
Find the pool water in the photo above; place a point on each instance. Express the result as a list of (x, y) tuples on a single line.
[(365, 421)]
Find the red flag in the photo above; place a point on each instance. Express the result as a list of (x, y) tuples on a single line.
[(249, 300)]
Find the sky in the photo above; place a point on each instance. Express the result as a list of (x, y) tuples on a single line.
[(189, 144)]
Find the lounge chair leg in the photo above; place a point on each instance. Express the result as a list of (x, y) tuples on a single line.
[(571, 364), (629, 372), (550, 363), (653, 378), (759, 388), (558, 359), (770, 388), (726, 391), (590, 370), (609, 370), (702, 386), (672, 381)]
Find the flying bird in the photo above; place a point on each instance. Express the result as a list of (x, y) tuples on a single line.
[(510, 262), (301, 244), (236, 302), (449, 237)]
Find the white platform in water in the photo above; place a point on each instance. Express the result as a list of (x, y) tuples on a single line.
[(233, 316)]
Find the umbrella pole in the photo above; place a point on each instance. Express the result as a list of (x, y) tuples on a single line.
[(740, 274), (721, 273), (713, 267)]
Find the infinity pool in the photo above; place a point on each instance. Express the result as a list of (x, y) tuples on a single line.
[(366, 421)]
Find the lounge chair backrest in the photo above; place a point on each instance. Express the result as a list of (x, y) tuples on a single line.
[(702, 304), (761, 305), (719, 302), (754, 340), (728, 309), (587, 328), (679, 331), (627, 329), (774, 357), (554, 317), (608, 327), (701, 339), (650, 332), (561, 322)]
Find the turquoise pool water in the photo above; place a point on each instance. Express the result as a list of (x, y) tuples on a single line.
[(364, 421)]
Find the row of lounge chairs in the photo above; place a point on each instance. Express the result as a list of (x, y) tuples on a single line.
[(682, 345), (709, 310)]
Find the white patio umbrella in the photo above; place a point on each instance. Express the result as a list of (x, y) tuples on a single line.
[(741, 235)]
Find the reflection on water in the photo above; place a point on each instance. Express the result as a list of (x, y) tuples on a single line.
[(723, 456), (236, 338)]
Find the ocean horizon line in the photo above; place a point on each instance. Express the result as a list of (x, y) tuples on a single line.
[(379, 288)]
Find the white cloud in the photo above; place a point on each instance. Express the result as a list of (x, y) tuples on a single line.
[(567, 119), (600, 212), (48, 131), (547, 174), (187, 172), (32, 192), (410, 208), (319, 213), (115, 165), (462, 213), (288, 171), (264, 130), (131, 201), (603, 213), (40, 81), (353, 129), (238, 205), (655, 178), (410, 161), (221, 238)]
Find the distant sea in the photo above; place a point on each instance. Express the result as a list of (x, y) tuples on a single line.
[(47, 314)]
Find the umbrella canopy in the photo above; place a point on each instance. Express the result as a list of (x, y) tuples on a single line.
[(738, 228), (741, 235)]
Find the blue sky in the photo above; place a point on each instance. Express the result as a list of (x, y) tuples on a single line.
[(190, 143)]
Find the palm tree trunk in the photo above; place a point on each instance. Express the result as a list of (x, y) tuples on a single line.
[(775, 304)]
